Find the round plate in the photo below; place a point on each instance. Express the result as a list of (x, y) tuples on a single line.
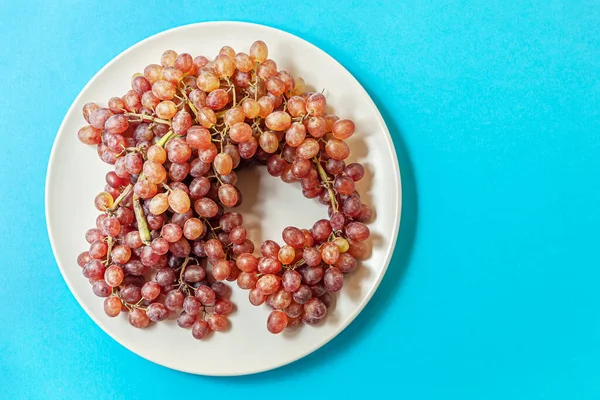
[(76, 175)]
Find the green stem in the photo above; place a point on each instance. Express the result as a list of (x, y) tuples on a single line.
[(141, 220), (325, 182), (148, 118), (119, 199)]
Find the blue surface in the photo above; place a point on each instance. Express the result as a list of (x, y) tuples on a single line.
[(493, 289)]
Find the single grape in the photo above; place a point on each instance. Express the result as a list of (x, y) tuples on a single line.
[(315, 104), (200, 329), (333, 279), (223, 307), (112, 306), (191, 305), (286, 254), (157, 312), (256, 297), (194, 273), (291, 281), (247, 280), (268, 284), (221, 270), (357, 231), (206, 295), (138, 318), (312, 275), (174, 300), (337, 149), (186, 320), (217, 322), (150, 291), (269, 265), (308, 149), (342, 129), (89, 135), (277, 321), (293, 237)]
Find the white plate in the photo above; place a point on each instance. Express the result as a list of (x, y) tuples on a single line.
[(76, 175)]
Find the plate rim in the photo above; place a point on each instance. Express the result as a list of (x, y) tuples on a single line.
[(389, 251)]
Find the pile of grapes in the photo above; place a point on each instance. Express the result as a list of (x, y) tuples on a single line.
[(166, 239)]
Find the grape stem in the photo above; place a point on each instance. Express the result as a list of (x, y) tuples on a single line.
[(187, 99), (137, 206), (141, 221), (110, 246), (326, 184), (148, 118), (119, 199)]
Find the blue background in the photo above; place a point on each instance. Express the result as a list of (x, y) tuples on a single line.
[(493, 288)]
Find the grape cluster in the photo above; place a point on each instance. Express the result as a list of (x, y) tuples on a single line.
[(166, 238)]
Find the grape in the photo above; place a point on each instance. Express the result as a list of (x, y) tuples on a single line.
[(281, 299), (160, 246), (132, 101), (98, 118), (294, 310), (182, 121), (293, 237), (335, 167), (247, 280), (217, 99), (315, 309), (223, 307), (88, 109), (308, 149), (312, 275), (172, 74), (312, 256), (321, 230), (269, 265), (214, 249), (365, 214), (223, 163), (258, 51), (155, 222), (209, 154), (291, 281), (345, 263), (352, 206), (98, 249), (112, 306), (101, 289), (194, 273), (140, 85), (357, 231), (221, 270), (344, 185), (267, 69), (316, 126), (180, 248), (341, 244), (94, 234), (217, 322), (268, 142), (150, 291), (179, 201), (157, 312), (193, 228), (330, 253), (248, 149), (268, 284), (238, 235), (295, 134), (266, 106), (277, 321), (206, 295), (83, 258), (256, 297), (200, 329), (315, 104), (343, 128), (133, 240), (333, 279), (138, 318), (278, 121), (165, 277), (286, 254), (174, 300), (309, 240), (89, 135), (121, 254), (269, 248), (296, 106), (240, 132), (247, 262), (243, 62), (191, 305), (337, 149), (186, 320)]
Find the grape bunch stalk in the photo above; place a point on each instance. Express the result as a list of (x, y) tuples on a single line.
[(167, 239)]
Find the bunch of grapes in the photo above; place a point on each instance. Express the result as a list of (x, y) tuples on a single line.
[(166, 238)]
